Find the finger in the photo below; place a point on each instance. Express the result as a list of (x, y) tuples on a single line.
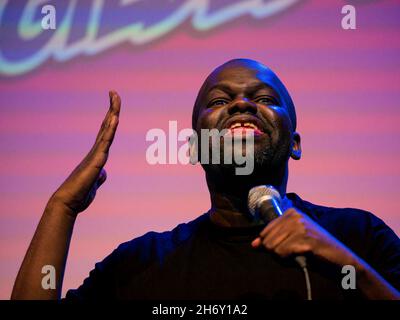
[(108, 136), (115, 103), (105, 122), (275, 236), (97, 156), (256, 242), (274, 240), (276, 231), (269, 227), (273, 225), (279, 233), (292, 245), (289, 214), (114, 109), (102, 178)]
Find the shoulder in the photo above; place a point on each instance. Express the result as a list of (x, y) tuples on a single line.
[(346, 217), (133, 257), (360, 229), (155, 245), (351, 225), (363, 232)]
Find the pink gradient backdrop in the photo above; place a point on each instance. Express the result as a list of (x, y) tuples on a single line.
[(345, 85)]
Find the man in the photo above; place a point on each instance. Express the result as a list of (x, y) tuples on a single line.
[(223, 253)]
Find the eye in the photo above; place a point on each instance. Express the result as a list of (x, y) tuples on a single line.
[(267, 100), (218, 102)]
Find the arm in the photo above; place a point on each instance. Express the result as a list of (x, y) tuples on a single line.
[(51, 240), (295, 234), (372, 284)]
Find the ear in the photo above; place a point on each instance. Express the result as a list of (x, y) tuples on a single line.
[(296, 148)]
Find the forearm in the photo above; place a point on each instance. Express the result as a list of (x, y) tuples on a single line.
[(368, 281), (49, 246), (372, 285)]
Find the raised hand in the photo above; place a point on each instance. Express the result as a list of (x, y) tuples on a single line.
[(50, 243), (79, 189)]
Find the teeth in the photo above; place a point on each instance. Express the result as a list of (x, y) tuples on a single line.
[(246, 124), (236, 125)]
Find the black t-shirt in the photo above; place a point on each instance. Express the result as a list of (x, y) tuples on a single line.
[(200, 260)]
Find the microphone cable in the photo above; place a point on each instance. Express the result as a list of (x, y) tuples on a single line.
[(302, 262), (264, 204)]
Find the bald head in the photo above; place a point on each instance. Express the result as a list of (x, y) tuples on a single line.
[(261, 72)]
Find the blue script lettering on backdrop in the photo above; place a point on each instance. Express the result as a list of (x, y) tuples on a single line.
[(90, 27)]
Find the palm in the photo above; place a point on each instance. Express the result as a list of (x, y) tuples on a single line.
[(79, 189)]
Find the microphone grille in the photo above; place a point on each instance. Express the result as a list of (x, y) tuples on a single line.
[(258, 193)]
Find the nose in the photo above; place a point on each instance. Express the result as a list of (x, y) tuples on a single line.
[(242, 105)]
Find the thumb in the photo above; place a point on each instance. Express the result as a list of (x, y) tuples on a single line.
[(102, 177)]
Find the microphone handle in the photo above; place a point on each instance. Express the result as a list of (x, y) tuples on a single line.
[(269, 209)]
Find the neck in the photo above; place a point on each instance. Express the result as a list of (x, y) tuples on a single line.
[(229, 194)]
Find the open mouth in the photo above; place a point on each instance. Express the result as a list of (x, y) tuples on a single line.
[(244, 127)]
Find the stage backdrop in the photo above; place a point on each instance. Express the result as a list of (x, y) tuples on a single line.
[(54, 93)]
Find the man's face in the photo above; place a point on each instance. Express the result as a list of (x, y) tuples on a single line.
[(239, 95)]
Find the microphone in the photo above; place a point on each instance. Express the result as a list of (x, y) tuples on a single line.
[(264, 203)]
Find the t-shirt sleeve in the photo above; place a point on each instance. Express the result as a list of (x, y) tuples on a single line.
[(384, 252), (125, 263), (100, 283)]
